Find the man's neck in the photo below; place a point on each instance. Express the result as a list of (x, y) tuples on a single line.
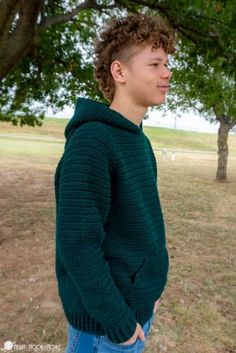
[(130, 111)]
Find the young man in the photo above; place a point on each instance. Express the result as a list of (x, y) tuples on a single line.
[(111, 256)]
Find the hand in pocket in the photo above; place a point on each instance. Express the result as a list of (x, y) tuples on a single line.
[(138, 333), (157, 303)]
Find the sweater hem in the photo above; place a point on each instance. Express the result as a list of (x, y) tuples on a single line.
[(87, 324)]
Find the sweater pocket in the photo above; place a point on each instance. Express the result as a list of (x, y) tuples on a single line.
[(140, 279), (135, 274), (124, 273), (148, 281)]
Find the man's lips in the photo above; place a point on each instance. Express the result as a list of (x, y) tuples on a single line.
[(164, 88)]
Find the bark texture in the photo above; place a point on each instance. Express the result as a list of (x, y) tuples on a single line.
[(18, 31), (223, 150)]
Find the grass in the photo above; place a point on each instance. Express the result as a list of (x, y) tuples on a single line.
[(197, 313), (179, 139), (53, 129)]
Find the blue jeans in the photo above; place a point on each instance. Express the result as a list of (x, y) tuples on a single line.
[(84, 342)]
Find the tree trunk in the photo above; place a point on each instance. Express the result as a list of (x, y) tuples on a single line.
[(223, 150), (18, 31)]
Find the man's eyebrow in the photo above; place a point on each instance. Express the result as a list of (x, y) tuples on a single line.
[(159, 59)]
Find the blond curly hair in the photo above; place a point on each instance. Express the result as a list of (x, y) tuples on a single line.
[(122, 38)]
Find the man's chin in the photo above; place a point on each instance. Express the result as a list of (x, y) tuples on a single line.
[(157, 102)]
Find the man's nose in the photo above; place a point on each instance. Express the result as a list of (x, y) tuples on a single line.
[(167, 74)]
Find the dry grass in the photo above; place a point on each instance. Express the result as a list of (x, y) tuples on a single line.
[(197, 314), (198, 310)]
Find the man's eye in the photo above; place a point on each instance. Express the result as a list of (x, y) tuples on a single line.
[(156, 64)]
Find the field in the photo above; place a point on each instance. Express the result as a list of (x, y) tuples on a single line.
[(197, 313)]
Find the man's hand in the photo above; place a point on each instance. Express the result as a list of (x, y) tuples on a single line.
[(138, 333), (157, 303)]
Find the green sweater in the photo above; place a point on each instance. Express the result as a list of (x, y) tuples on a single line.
[(111, 258)]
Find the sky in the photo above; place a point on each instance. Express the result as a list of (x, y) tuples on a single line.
[(187, 121)]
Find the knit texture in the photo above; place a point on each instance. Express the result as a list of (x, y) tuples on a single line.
[(111, 257)]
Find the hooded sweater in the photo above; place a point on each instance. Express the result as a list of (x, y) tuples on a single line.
[(111, 259)]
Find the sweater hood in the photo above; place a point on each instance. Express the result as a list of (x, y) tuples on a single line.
[(88, 110)]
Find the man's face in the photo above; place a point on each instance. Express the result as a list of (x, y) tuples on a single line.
[(146, 72)]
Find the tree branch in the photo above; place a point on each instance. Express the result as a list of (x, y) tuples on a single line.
[(181, 26), (7, 11), (231, 125), (165, 8), (21, 39), (88, 4)]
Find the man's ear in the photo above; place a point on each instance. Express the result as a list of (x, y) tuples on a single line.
[(118, 71)]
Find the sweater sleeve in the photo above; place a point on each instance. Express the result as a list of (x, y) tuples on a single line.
[(83, 208)]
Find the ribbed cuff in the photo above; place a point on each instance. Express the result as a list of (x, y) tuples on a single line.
[(124, 330), (117, 332)]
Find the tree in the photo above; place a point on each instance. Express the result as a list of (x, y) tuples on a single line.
[(203, 85), (205, 77), (43, 52), (52, 65)]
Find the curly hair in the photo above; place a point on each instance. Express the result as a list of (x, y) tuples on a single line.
[(122, 38)]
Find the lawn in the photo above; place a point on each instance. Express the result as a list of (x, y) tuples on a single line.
[(161, 137), (197, 313)]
